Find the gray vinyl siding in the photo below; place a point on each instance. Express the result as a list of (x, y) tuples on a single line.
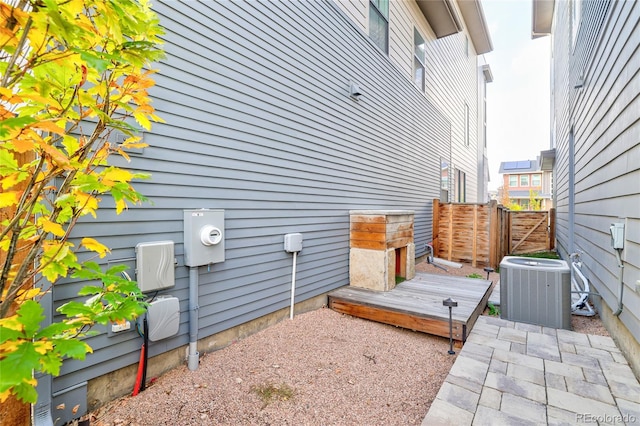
[(356, 10), (402, 18), (607, 148), (452, 84), (259, 123), (562, 49), (451, 80)]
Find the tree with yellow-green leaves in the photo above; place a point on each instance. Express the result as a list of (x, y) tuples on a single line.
[(72, 72)]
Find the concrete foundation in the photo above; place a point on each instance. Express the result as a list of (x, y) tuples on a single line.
[(625, 341)]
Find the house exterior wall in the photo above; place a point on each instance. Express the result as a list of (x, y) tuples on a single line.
[(259, 123), (452, 80), (596, 108)]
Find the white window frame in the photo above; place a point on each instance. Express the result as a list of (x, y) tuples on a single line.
[(523, 178), (375, 10), (460, 186), (515, 178), (576, 16), (539, 179), (419, 61)]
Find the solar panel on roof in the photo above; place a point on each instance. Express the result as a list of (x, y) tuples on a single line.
[(524, 164), (510, 165)]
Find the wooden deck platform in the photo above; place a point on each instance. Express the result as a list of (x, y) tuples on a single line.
[(417, 304)]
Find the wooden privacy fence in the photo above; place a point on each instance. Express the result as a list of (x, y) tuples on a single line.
[(483, 234)]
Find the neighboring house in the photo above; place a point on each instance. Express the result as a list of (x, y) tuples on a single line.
[(595, 87), (524, 179), (264, 121)]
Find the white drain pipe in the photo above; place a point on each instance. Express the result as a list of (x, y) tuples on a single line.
[(582, 306), (437, 261)]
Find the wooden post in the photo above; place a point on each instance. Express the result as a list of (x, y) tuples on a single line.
[(435, 231), (494, 236), (552, 228), (474, 243), (509, 224), (450, 231)]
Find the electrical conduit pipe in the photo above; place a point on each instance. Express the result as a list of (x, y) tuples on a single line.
[(193, 355), (293, 285), (620, 283)]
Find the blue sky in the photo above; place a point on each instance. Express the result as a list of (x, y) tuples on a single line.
[(518, 99)]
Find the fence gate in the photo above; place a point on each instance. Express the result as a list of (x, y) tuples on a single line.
[(529, 231), (482, 234)]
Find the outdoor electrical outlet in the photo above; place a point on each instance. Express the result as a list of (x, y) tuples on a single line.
[(117, 327)]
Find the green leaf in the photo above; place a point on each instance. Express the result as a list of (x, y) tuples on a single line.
[(54, 329), (24, 392), (97, 62), (51, 362), (76, 349), (30, 314), (72, 309), (90, 290), (17, 366), (7, 334), (18, 122), (54, 270), (8, 163), (70, 144)]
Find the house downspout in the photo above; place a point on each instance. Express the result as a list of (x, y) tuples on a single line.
[(193, 355), (42, 408), (620, 283)]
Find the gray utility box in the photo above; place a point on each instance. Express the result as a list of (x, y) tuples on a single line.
[(536, 291)]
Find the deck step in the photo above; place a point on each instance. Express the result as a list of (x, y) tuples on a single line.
[(417, 304)]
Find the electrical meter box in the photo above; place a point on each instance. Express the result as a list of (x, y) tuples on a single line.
[(293, 242), (203, 237)]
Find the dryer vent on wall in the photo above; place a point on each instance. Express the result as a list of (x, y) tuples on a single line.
[(155, 268)]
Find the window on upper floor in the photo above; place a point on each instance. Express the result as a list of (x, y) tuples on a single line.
[(418, 59), (444, 181), (536, 180), (379, 23), (576, 15), (484, 112), (513, 181), (461, 186), (524, 180)]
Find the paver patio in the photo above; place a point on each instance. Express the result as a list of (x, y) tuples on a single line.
[(511, 373)]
